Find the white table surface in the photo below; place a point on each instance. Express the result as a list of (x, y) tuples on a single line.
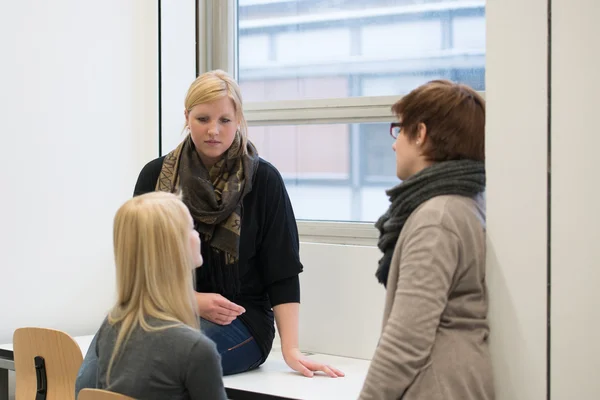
[(275, 378)]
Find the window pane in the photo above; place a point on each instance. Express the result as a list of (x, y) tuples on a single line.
[(332, 172), (306, 49)]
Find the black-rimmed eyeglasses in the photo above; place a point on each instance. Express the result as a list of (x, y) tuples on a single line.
[(395, 128)]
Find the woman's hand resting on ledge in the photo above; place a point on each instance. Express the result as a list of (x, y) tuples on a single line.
[(298, 362), (217, 309), (286, 316)]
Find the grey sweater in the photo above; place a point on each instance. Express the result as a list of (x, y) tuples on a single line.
[(434, 342), (177, 364)]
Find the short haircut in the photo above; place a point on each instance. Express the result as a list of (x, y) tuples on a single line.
[(454, 115)]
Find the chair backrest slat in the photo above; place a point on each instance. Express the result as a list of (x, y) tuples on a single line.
[(61, 356)]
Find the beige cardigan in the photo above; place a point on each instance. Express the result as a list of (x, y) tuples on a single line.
[(434, 343)]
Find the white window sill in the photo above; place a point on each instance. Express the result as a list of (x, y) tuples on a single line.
[(342, 233)]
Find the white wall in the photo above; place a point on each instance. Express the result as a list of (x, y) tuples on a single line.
[(78, 105), (342, 302), (575, 219), (516, 163), (178, 66)]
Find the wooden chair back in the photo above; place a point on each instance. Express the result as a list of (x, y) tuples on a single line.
[(46, 362)]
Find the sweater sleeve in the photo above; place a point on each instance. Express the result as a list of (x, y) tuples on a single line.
[(204, 377), (148, 176), (428, 261), (279, 253), (285, 291)]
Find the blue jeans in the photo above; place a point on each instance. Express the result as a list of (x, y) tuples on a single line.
[(236, 345)]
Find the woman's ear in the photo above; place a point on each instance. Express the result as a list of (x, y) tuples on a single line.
[(187, 128), (421, 133)]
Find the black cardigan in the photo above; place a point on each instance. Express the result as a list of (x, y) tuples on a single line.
[(269, 261)]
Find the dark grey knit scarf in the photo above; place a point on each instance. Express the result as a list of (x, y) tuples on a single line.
[(460, 177)]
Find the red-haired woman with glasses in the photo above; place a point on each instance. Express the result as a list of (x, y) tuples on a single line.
[(434, 342)]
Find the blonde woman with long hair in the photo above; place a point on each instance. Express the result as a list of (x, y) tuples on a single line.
[(150, 346)]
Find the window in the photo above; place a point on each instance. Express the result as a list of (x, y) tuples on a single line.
[(319, 78), (304, 49), (335, 172)]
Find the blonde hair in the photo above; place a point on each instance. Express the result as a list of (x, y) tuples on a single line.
[(214, 85), (153, 265)]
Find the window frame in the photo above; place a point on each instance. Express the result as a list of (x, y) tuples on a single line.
[(350, 110)]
